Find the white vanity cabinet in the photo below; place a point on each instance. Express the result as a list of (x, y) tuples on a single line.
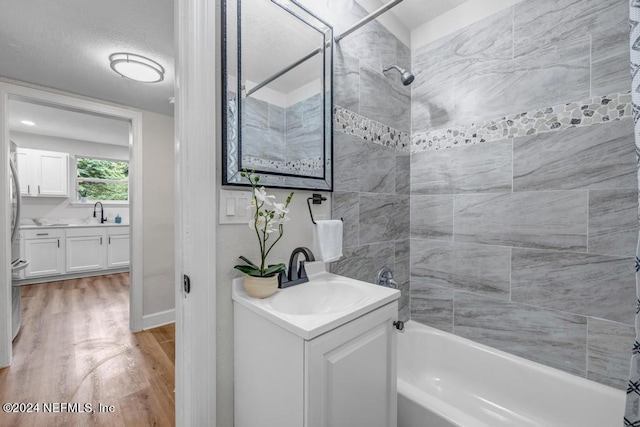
[(43, 173), (86, 249), (44, 248), (118, 247), (343, 377)]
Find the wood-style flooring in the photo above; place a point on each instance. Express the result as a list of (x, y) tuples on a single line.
[(75, 347)]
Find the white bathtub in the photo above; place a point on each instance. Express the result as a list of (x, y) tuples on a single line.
[(445, 380)]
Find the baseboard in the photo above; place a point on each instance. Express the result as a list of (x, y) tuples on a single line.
[(151, 321)]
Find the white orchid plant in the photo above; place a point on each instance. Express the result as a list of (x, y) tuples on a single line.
[(268, 222)]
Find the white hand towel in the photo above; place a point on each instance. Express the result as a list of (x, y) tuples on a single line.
[(327, 240)]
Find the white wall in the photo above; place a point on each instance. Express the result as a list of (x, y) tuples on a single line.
[(236, 240), (158, 214)]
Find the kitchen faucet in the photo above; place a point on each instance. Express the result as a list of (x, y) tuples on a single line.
[(103, 219)]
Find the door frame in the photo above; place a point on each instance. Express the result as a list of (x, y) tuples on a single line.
[(8, 91)]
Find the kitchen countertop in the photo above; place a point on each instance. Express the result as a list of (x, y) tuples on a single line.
[(106, 224)]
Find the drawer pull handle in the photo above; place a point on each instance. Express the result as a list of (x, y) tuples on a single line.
[(109, 239), (38, 189), (101, 240), (42, 234), (58, 243)]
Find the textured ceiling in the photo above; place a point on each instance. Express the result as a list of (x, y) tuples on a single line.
[(65, 44), (61, 123)]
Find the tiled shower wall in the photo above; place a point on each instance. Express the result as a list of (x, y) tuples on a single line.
[(371, 169), (526, 243)]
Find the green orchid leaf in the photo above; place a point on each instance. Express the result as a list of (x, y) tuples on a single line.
[(249, 263), (274, 269), (248, 270)]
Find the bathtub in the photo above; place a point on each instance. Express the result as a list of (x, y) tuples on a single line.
[(445, 380)]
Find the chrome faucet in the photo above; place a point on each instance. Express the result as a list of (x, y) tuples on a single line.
[(297, 274), (385, 278), (103, 219)]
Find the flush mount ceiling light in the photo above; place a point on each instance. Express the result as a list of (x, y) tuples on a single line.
[(27, 122), (340, 5), (136, 67)]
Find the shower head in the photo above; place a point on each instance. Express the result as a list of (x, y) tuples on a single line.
[(405, 76)]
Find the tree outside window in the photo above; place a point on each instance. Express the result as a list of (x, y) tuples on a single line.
[(104, 180)]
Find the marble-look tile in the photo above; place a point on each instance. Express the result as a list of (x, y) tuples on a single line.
[(545, 23), (462, 266), (487, 40), (347, 207), (543, 220), (255, 113), (432, 217), (609, 352), (384, 99), (545, 77), (610, 62), (293, 116), (363, 262), (402, 277), (373, 44), (376, 169), (383, 217), (276, 119), (585, 284), (431, 305), (549, 337), (347, 161), (403, 173), (600, 156), (484, 168), (613, 222), (346, 82), (259, 143), (432, 106), (304, 142), (437, 64)]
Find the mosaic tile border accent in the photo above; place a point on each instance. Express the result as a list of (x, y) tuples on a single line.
[(351, 123), (599, 109), (308, 167)]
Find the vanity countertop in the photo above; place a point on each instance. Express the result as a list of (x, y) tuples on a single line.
[(310, 325)]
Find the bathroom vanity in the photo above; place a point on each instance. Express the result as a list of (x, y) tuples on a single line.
[(321, 353)]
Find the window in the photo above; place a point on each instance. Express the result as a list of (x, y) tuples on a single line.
[(105, 180)]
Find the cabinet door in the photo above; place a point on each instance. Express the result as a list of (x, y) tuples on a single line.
[(86, 253), (351, 373), (52, 172), (24, 171), (45, 257), (118, 251)]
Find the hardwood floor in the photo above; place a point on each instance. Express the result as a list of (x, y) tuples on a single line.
[(75, 347)]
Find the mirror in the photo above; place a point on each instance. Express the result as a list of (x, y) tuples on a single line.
[(277, 106)]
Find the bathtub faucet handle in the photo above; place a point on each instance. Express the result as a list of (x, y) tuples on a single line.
[(399, 324)]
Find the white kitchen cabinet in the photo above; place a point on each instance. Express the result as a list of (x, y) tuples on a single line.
[(44, 249), (86, 249), (43, 173), (118, 247), (344, 377)]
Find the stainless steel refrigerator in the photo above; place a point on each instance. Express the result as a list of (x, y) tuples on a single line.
[(17, 263)]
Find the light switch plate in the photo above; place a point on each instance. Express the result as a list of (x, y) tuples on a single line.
[(232, 207)]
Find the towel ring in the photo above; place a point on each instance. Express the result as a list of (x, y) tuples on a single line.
[(317, 199)]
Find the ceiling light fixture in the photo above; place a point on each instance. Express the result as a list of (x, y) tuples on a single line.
[(28, 122), (136, 67), (340, 5)]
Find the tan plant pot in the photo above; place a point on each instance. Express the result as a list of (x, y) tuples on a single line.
[(260, 287)]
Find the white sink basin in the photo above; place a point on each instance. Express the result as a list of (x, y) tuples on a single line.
[(310, 299), (320, 305)]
